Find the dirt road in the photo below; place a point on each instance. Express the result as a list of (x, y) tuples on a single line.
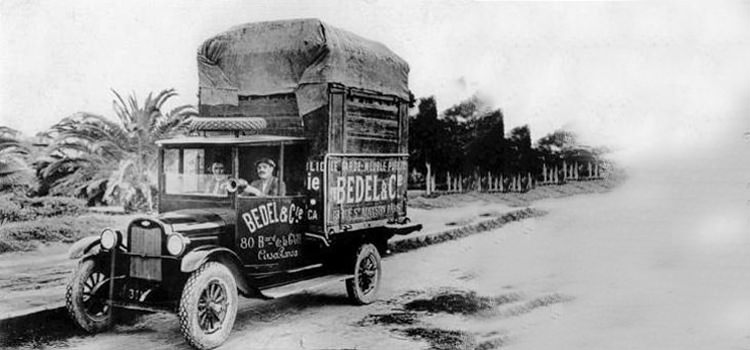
[(655, 264)]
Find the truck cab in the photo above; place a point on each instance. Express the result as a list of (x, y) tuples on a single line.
[(266, 232)]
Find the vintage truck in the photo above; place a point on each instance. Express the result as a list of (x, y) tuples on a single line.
[(326, 111)]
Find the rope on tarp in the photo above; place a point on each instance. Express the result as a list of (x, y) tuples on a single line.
[(227, 123)]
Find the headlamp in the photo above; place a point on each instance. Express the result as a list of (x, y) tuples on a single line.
[(176, 244), (109, 238)]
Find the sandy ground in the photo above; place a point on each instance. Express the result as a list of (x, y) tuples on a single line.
[(37, 278), (660, 263)]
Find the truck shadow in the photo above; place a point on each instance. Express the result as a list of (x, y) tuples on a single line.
[(267, 311), (54, 328)]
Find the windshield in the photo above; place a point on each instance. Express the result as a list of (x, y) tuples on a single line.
[(197, 171), (267, 170)]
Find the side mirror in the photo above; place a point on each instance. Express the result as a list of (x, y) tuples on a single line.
[(235, 184)]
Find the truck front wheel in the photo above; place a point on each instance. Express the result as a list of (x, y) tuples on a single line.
[(86, 297), (208, 306), (363, 288)]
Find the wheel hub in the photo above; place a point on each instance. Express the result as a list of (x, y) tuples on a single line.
[(367, 274)]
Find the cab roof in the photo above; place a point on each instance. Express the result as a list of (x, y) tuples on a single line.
[(251, 140)]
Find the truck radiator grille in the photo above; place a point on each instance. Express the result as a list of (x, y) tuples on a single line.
[(146, 244)]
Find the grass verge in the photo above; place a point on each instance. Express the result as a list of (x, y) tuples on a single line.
[(518, 199), (28, 235), (463, 231)]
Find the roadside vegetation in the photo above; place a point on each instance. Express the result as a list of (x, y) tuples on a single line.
[(29, 222), (111, 161), (48, 182)]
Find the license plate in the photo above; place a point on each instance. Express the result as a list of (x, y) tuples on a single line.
[(133, 294)]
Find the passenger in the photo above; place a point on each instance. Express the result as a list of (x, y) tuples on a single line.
[(217, 183), (267, 184)]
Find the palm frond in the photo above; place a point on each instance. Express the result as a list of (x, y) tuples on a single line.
[(122, 112), (117, 158), (174, 122)]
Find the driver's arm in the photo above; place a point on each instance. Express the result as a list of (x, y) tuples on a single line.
[(282, 188), (251, 190)]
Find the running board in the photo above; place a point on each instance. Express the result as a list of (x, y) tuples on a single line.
[(301, 286)]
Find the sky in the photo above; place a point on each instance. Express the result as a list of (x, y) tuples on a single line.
[(645, 78)]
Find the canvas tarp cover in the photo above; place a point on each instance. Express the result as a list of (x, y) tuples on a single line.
[(295, 56)]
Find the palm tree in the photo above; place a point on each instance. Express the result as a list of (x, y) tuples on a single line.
[(15, 159), (114, 160)]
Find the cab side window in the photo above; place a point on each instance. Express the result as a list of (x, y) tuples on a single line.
[(289, 168), (249, 156)]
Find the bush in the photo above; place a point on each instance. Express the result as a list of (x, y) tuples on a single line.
[(54, 206), (16, 246), (9, 211), (42, 230), (20, 208)]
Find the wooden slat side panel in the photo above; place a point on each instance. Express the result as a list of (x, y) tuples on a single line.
[(280, 111), (372, 112), (363, 145), (316, 131), (404, 121), (374, 128), (283, 126), (388, 107), (276, 105), (219, 110), (336, 124)]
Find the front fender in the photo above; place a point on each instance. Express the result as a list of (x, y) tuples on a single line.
[(195, 258), (84, 248)]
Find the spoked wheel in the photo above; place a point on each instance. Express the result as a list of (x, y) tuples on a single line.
[(208, 306), (86, 297), (363, 288), (212, 307)]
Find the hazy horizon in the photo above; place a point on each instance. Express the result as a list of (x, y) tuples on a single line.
[(645, 79)]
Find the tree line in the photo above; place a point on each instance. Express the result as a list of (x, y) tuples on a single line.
[(469, 138)]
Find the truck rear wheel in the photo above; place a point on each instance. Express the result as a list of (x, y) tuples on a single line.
[(208, 306), (363, 288), (86, 297)]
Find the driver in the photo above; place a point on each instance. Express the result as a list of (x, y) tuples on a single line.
[(266, 184), (217, 183)]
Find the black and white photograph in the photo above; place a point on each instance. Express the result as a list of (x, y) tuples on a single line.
[(374, 174)]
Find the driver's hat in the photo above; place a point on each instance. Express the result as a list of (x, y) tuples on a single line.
[(268, 161)]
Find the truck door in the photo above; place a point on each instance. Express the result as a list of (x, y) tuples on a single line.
[(270, 231), (270, 226)]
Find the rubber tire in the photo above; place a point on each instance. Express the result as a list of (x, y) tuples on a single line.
[(356, 295), (74, 299), (188, 309)]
